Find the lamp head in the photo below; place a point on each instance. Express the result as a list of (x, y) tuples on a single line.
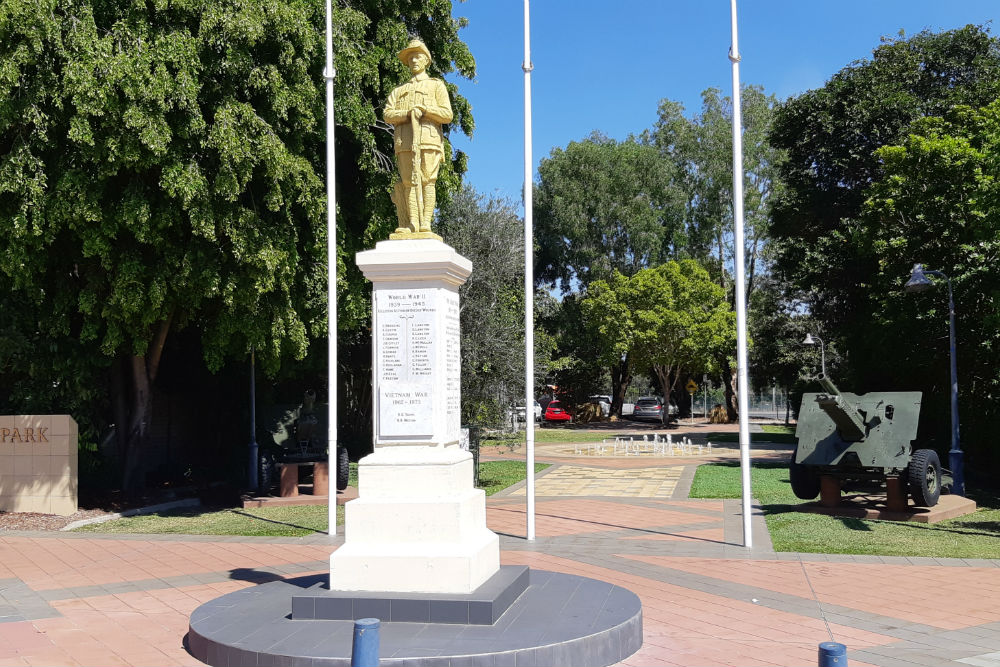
[(918, 282), (809, 340)]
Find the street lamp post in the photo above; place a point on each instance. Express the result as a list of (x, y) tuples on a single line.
[(253, 481), (811, 340), (919, 282)]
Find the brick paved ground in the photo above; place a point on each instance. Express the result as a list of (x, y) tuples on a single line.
[(84, 599)]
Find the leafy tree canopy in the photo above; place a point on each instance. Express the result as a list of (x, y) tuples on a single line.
[(603, 206), (670, 318), (832, 134), (701, 147), (491, 234), (167, 158), (161, 166), (939, 204)]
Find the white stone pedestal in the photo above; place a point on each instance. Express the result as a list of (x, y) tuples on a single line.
[(418, 525)]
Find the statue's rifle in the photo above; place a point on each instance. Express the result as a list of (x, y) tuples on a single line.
[(417, 175)]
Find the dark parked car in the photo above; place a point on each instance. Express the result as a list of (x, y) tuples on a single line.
[(554, 413), (648, 407)]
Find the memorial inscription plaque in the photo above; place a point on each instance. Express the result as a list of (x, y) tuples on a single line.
[(406, 345)]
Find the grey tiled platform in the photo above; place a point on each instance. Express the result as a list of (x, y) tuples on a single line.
[(484, 606), (560, 619)]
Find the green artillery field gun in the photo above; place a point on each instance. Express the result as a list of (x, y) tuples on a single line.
[(860, 441)]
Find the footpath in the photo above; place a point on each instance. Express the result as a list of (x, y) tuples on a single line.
[(87, 599)]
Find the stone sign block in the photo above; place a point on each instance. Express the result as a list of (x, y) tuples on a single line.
[(38, 464)]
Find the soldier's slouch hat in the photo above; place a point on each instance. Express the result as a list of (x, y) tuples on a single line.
[(414, 45)]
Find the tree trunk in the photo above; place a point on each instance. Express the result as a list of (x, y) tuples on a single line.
[(137, 375), (729, 384), (119, 402), (788, 407), (620, 380), (667, 378), (140, 411)]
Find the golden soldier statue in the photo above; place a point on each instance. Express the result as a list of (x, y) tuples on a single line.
[(417, 110)]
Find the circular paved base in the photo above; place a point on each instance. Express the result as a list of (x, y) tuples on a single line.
[(561, 619)]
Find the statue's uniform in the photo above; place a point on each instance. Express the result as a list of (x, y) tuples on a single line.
[(432, 96)]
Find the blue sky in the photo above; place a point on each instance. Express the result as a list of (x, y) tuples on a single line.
[(605, 65)]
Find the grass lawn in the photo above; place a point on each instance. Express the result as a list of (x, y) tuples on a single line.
[(288, 521), (496, 476), (976, 535)]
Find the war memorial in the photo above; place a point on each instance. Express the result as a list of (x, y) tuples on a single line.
[(417, 553)]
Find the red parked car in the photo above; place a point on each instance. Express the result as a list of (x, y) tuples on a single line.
[(555, 413)]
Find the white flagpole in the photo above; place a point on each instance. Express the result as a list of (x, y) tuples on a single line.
[(741, 304), (529, 287), (331, 280)]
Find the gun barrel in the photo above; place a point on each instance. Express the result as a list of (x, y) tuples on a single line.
[(849, 423), (828, 385)]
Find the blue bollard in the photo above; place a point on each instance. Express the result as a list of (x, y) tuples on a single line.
[(364, 651), (831, 654)]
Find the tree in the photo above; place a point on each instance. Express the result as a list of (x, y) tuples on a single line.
[(938, 203), (160, 168), (778, 324), (609, 328), (603, 206), (701, 149), (832, 134), (573, 358), (490, 234), (853, 257), (670, 318)]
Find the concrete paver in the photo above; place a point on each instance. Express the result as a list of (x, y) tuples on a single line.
[(91, 599), (572, 480)]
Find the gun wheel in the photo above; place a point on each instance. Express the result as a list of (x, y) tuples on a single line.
[(343, 471), (924, 477), (804, 480)]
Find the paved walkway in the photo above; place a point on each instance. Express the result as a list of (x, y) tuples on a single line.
[(85, 599)]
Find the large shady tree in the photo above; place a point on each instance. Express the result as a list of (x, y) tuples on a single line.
[(603, 206), (938, 204), (701, 148), (161, 167), (855, 216), (831, 136)]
